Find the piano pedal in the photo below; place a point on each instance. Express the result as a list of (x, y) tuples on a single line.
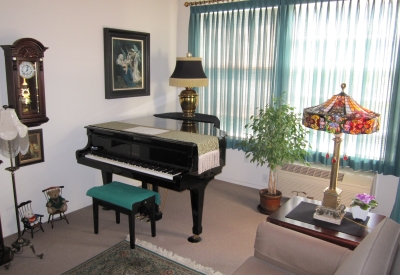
[(148, 220), (143, 218)]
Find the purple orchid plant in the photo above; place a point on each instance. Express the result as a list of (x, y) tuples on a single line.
[(365, 201)]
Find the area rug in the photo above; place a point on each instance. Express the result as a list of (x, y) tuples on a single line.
[(145, 259)]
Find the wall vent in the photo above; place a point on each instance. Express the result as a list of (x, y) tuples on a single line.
[(311, 181), (310, 171)]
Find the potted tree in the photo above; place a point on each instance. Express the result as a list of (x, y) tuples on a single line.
[(276, 138)]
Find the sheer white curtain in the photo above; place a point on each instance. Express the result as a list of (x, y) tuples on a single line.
[(302, 51), (238, 58), (352, 42)]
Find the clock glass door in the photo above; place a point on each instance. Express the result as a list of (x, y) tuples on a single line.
[(29, 91)]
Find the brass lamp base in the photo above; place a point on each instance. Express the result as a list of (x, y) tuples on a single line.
[(20, 242), (189, 126), (331, 210), (330, 215), (188, 99)]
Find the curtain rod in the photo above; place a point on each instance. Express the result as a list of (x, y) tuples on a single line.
[(200, 3)]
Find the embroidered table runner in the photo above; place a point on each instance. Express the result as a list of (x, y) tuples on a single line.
[(208, 147)]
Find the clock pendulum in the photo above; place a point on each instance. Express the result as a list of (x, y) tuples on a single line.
[(25, 96)]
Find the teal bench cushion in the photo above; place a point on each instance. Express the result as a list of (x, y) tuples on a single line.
[(121, 194)]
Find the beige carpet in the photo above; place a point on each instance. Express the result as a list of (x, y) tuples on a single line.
[(230, 220)]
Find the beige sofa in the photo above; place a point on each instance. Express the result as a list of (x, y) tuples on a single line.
[(278, 250)]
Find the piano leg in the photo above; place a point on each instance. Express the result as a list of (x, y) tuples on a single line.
[(197, 201), (107, 176), (95, 216)]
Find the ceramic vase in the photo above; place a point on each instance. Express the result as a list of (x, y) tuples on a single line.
[(359, 213), (268, 204)]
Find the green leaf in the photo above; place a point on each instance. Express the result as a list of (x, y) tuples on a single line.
[(276, 137)]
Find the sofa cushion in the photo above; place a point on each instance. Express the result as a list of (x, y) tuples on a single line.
[(374, 255), (254, 265), (296, 252)]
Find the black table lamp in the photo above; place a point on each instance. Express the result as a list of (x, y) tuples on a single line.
[(188, 73)]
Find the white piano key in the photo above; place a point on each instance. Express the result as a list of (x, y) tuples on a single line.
[(133, 167)]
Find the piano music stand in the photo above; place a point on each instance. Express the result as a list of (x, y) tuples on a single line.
[(197, 118)]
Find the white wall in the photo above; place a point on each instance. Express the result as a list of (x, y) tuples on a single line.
[(74, 81), (240, 171)]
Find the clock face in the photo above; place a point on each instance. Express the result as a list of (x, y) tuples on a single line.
[(26, 69)]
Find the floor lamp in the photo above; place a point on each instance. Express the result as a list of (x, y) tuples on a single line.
[(13, 140), (340, 114)]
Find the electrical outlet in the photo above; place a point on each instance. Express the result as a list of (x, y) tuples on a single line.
[(265, 178)]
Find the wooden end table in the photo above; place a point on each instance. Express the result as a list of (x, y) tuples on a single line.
[(333, 236)]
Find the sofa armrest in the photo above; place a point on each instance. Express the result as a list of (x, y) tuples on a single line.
[(297, 252), (376, 253)]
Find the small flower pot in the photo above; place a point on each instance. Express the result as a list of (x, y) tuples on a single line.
[(359, 213), (269, 203)]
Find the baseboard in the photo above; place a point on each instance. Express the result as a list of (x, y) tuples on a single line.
[(242, 183)]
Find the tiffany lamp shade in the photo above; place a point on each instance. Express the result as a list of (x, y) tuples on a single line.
[(340, 114)]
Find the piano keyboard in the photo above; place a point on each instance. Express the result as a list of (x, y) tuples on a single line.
[(162, 172)]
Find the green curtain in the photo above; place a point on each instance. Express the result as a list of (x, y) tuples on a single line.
[(395, 214), (303, 51)]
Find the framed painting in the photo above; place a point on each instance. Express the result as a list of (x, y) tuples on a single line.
[(126, 63), (35, 151)]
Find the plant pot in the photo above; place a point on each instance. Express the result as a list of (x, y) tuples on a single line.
[(269, 203), (359, 213)]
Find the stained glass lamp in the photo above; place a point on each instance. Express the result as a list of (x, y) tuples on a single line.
[(340, 114)]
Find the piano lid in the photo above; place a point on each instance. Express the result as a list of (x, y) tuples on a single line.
[(167, 124), (207, 138)]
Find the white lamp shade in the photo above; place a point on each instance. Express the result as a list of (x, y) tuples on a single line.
[(13, 134)]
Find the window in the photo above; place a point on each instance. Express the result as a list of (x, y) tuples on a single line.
[(302, 52)]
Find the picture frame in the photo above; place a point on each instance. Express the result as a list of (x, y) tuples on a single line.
[(35, 152), (126, 63)]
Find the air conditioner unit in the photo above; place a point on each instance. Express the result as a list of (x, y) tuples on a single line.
[(311, 181)]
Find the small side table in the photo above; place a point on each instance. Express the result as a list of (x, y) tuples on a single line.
[(197, 118), (333, 236)]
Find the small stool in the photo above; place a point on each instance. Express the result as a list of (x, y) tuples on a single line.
[(126, 199)]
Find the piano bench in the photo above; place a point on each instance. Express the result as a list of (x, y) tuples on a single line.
[(126, 199)]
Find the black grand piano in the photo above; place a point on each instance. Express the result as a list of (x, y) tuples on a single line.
[(135, 149)]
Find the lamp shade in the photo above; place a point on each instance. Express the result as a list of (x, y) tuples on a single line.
[(188, 73), (13, 134), (341, 114)]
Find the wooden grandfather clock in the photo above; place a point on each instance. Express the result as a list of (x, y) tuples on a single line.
[(25, 80)]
